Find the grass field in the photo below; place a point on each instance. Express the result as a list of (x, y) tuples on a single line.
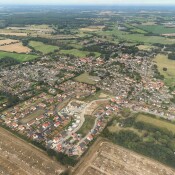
[(136, 38), (32, 116), (145, 47), (41, 47), (156, 122), (85, 78), (87, 125), (163, 61), (157, 29), (78, 53), (17, 56)]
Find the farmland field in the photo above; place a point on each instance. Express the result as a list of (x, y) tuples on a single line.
[(157, 29), (41, 47), (136, 37), (20, 157), (156, 122), (162, 61), (17, 47), (92, 28), (105, 158), (17, 56)]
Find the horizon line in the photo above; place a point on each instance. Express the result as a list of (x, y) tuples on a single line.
[(90, 4)]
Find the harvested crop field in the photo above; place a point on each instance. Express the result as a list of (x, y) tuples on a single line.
[(13, 34), (20, 157), (17, 47), (92, 28), (7, 41), (105, 158)]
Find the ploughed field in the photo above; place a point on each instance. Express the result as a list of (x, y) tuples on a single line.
[(19, 157), (108, 159)]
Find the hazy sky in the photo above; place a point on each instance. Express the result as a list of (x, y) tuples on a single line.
[(97, 2)]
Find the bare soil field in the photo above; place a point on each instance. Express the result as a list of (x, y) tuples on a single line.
[(7, 41), (17, 47), (105, 158), (92, 28), (13, 33), (22, 158)]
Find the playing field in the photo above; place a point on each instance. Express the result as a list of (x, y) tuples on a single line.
[(18, 56), (156, 122), (41, 47), (162, 61), (86, 78)]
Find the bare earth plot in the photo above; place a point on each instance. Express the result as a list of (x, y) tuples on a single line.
[(108, 159), (10, 45), (17, 47), (19, 157)]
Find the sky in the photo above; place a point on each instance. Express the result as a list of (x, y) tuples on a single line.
[(93, 2)]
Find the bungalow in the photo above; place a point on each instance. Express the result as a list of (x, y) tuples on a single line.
[(57, 124), (31, 123), (45, 125), (82, 146), (40, 117), (90, 137)]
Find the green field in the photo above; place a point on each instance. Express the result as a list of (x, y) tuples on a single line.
[(85, 78), (41, 47), (78, 53), (32, 116), (145, 47), (18, 56), (157, 29), (156, 122), (162, 61), (136, 38), (87, 125)]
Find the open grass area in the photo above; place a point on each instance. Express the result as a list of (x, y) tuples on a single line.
[(86, 78), (145, 47), (162, 61), (18, 56), (87, 125), (157, 29), (116, 128), (78, 53), (156, 122), (41, 47), (136, 38), (32, 116)]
